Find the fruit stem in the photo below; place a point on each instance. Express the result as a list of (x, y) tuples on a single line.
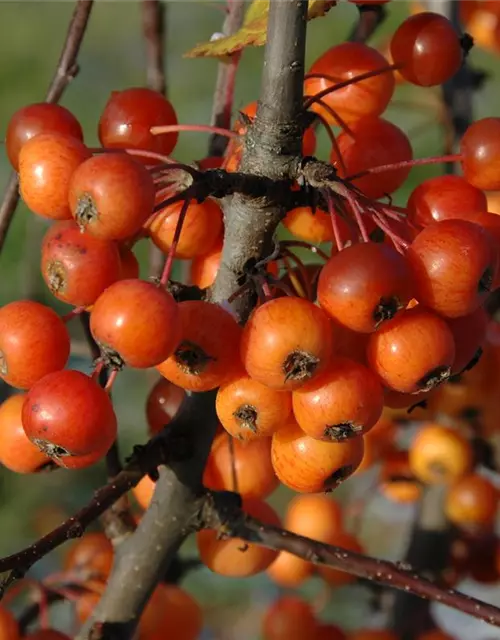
[(72, 314), (362, 76), (167, 269), (135, 152), (455, 157), (305, 245), (110, 381), (333, 218), (206, 128), (340, 121)]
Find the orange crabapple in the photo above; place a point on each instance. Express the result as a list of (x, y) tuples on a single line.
[(111, 195), (413, 352), (289, 618), (472, 503), (135, 323), (307, 465), (248, 409), (162, 404), (246, 463), (233, 557), (171, 611), (200, 231), (34, 341), (17, 452), (67, 413), (206, 354), (9, 628), (440, 454), (34, 119), (364, 285), (396, 480), (344, 401), (46, 164), (286, 342), (76, 266)]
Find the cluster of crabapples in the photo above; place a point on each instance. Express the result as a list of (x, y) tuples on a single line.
[(313, 387)]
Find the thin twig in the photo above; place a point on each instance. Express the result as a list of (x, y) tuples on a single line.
[(154, 26), (67, 69), (226, 76), (223, 513), (371, 16)]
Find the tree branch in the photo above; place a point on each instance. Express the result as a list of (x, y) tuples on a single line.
[(226, 76), (371, 16), (272, 149), (66, 70), (153, 24), (222, 512), (147, 553), (168, 447), (154, 19)]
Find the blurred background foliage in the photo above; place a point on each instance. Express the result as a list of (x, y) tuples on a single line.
[(112, 57)]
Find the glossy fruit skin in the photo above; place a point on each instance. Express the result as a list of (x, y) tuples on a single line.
[(344, 401), (9, 629), (406, 350), (428, 49), (472, 503), (111, 196), (171, 612), (33, 119), (315, 516), (204, 268), (129, 263), (68, 410), (396, 480), (228, 557), (138, 321), (162, 404), (455, 263), (343, 62), (46, 164), (364, 285), (307, 465), (374, 142), (17, 452), (469, 334), (207, 353), (128, 117), (201, 229), (252, 467), (143, 492), (76, 266), (289, 618), (443, 197), (281, 353), (440, 455), (34, 341), (248, 409), (334, 577), (93, 552), (314, 227), (480, 150)]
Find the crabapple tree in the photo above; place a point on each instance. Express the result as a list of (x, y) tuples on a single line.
[(317, 323)]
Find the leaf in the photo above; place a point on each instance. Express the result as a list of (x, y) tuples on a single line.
[(253, 30)]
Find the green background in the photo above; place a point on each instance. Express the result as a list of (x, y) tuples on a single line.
[(112, 57)]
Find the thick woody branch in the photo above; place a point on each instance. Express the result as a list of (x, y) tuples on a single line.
[(67, 69), (226, 77), (169, 447), (222, 512), (272, 150), (144, 557)]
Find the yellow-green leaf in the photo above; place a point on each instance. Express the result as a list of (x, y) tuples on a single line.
[(253, 30)]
